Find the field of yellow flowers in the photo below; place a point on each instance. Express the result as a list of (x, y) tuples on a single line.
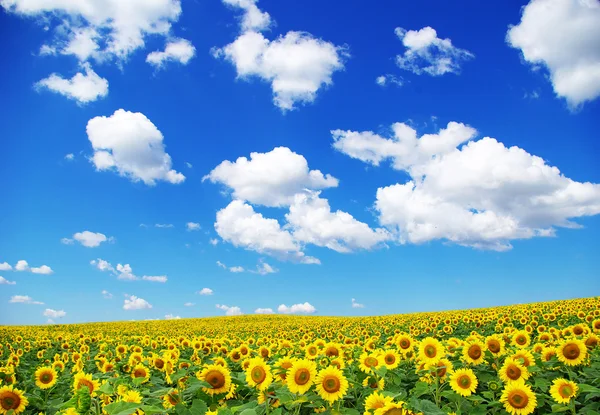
[(527, 359)]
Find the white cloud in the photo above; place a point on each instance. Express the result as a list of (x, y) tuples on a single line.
[(164, 225), (22, 265), (296, 65), (25, 299), (473, 193), (136, 303), (125, 273), (87, 239), (130, 144), (311, 220), (240, 225), (427, 53), (357, 305), (263, 268), (253, 18), (205, 291), (50, 321), (214, 241), (237, 269), (102, 265), (221, 265), (305, 308), (188, 165), (67, 241), (263, 311), (189, 304), (44, 270), (385, 80), (83, 87), (70, 157), (230, 311), (176, 50), (54, 313), (100, 29), (159, 278), (564, 37), (171, 317), (4, 281), (106, 295), (5, 266), (192, 226)]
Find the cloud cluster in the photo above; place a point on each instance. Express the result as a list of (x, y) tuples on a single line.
[(135, 303), (125, 272), (130, 144), (230, 311), (87, 239), (83, 87), (475, 193), (25, 299), (564, 37), (23, 266), (176, 50), (305, 308)]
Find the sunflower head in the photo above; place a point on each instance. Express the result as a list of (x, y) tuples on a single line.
[(45, 377), (464, 382), (12, 399), (562, 390), (331, 384)]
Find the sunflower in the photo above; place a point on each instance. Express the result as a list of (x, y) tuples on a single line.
[(85, 379), (473, 352), (571, 352), (525, 356), (140, 372), (405, 343), (441, 368), (284, 364), (374, 382), (518, 398), (218, 377), (258, 374), (392, 408), (45, 377), (264, 395), (12, 399), (375, 401), (391, 359), (463, 381), (158, 362), (512, 370), (431, 350), (331, 384), (368, 362), (301, 376), (562, 390), (495, 344), (58, 365), (521, 338), (132, 396)]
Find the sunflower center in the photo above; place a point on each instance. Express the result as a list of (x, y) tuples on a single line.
[(331, 384), (578, 330), (390, 359), (513, 372), (139, 373), (394, 411), (464, 382), (521, 340), (332, 351), (430, 351), (172, 399), (566, 391), (46, 378), (371, 362), (302, 376), (571, 351), (474, 352), (518, 399), (9, 400), (494, 346), (216, 379), (441, 372), (258, 374), (86, 383), (404, 343), (159, 363)]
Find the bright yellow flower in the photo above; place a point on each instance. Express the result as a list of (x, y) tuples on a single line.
[(463, 381), (45, 377), (331, 384), (562, 390), (518, 398)]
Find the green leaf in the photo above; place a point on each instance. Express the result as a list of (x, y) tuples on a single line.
[(248, 412), (560, 408), (198, 407), (583, 388), (151, 409), (429, 408), (121, 408), (182, 410)]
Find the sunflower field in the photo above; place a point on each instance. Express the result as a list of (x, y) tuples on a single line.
[(527, 359)]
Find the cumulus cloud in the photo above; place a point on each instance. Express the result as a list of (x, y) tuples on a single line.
[(176, 50), (357, 305), (564, 37), (5, 266), (124, 272), (70, 157), (305, 308), (87, 239), (4, 281), (106, 295), (157, 278), (22, 266), (205, 291), (102, 265), (135, 303), (473, 193), (241, 226), (263, 311), (427, 53), (44, 270), (54, 313), (130, 144), (171, 317), (263, 268), (214, 241), (192, 226), (270, 179), (236, 269), (389, 79), (230, 311), (311, 221), (25, 299), (99, 29), (83, 87), (253, 18)]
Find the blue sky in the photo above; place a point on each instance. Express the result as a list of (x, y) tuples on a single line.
[(460, 220)]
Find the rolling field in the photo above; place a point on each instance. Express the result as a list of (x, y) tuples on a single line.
[(524, 359)]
